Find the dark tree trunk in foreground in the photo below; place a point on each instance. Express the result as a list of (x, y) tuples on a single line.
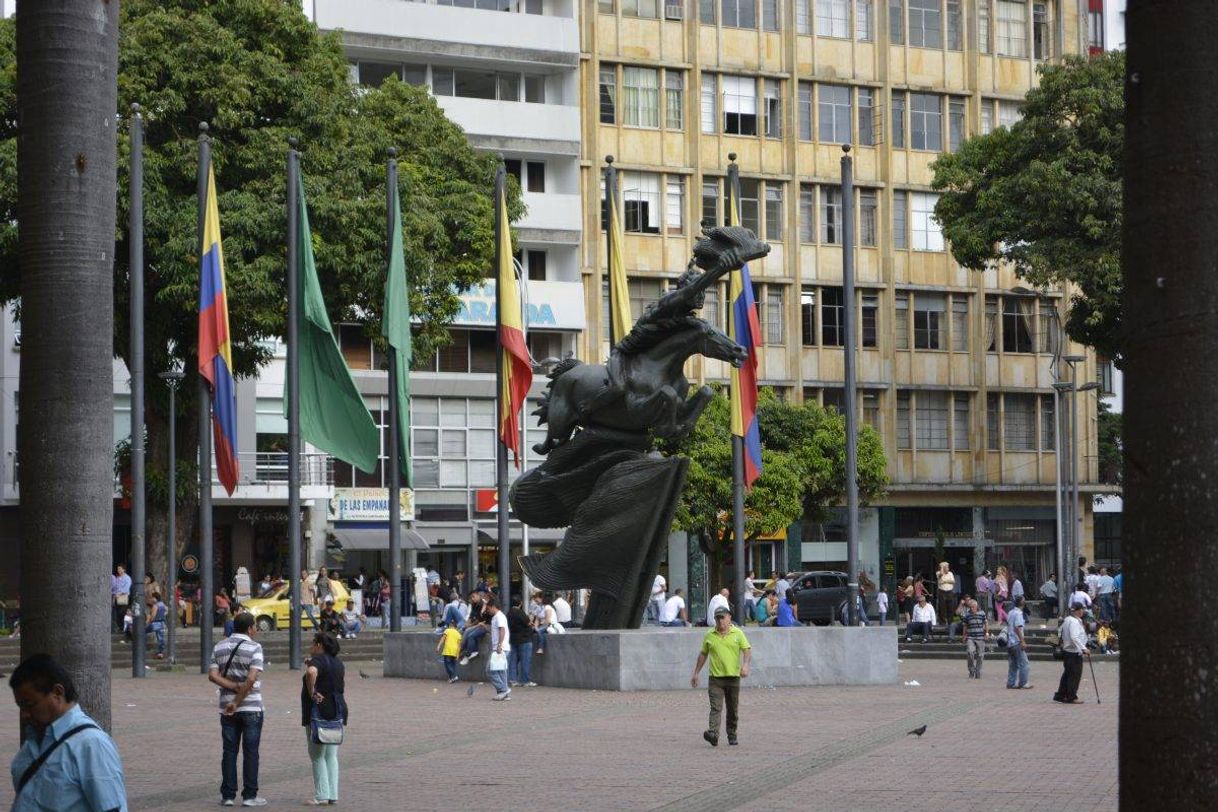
[(67, 64), (1169, 634)]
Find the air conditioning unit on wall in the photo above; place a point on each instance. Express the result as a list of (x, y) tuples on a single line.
[(674, 11)]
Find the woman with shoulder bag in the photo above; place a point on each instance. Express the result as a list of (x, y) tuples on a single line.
[(324, 715)]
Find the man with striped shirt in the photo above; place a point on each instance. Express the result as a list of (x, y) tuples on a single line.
[(236, 666), (976, 633)]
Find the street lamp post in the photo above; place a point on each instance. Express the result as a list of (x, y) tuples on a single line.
[(173, 378)]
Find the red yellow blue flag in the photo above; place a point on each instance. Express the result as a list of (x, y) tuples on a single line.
[(215, 346), (746, 331), (516, 366)]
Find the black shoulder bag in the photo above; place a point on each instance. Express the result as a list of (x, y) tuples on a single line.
[(33, 769)]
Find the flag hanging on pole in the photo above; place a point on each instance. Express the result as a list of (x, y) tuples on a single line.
[(215, 345), (517, 370), (619, 293), (333, 415), (746, 331), (396, 330)]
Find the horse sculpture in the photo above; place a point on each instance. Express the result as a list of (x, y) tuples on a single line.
[(600, 479)]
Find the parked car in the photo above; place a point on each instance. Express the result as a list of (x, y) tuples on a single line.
[(273, 610), (818, 595)]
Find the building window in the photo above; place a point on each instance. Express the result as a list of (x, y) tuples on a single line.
[(867, 132), (991, 324), (1048, 337), (674, 213), (992, 422), (955, 123), (987, 116), (833, 18), (739, 105), (644, 293), (1017, 324), (804, 108), (927, 234), (904, 438), (605, 6), (706, 11), (537, 265), (1103, 374), (475, 84), (833, 397), (960, 421), (641, 202), (641, 97), (608, 84), (1095, 28), (772, 317), (1009, 113), (708, 103), (773, 211), (773, 108), (803, 17), (871, 409), (1041, 49), (739, 13), (1048, 439), (896, 22), (712, 307), (832, 316), (1012, 28), (807, 315), (898, 119), (928, 320), (770, 15), (648, 9), (834, 109), (900, 320), (983, 26), (750, 204), (674, 97), (831, 215), (900, 230), (807, 212), (1019, 422), (864, 20), (925, 23), (960, 322), (955, 26), (931, 417), (868, 216), (710, 203), (535, 89), (925, 122), (870, 320)]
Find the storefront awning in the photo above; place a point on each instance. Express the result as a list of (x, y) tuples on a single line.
[(378, 539)]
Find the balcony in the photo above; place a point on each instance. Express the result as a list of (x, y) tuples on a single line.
[(264, 477), (553, 212), (505, 36), (516, 121)]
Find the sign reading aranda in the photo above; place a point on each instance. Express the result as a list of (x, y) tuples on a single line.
[(368, 505), (550, 305)]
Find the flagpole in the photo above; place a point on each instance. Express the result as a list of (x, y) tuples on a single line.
[(610, 203), (733, 179), (852, 429), (501, 460), (293, 387), (136, 355), (206, 556), (393, 456)]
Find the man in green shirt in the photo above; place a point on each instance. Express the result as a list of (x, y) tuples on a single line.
[(729, 653)]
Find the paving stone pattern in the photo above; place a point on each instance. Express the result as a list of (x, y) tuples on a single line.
[(424, 745)]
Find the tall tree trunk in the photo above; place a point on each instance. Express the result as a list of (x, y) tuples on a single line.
[(67, 95), (158, 470), (1169, 631)]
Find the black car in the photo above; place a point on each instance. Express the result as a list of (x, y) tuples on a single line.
[(818, 595)]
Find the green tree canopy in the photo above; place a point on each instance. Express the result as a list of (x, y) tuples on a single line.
[(1045, 193)]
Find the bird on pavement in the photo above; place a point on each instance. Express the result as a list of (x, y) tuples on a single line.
[(471, 690), (917, 731), (362, 675)]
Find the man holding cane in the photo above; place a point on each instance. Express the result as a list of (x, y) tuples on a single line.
[(729, 653), (1074, 646)]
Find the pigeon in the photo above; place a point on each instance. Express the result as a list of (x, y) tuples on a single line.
[(917, 731), (362, 675), (472, 688)]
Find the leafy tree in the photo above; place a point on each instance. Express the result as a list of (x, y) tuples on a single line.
[(259, 73), (1045, 194), (1112, 450), (803, 471)]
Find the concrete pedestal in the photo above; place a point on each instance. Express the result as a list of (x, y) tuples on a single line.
[(657, 659)]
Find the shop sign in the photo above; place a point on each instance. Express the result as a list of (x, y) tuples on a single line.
[(486, 500), (550, 306), (368, 505)]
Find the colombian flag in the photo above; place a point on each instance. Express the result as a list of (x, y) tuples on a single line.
[(746, 331), (215, 349), (517, 370)]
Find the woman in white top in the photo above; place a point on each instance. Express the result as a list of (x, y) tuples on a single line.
[(946, 592)]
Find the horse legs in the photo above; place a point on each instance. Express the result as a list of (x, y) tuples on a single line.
[(662, 404), (691, 410)]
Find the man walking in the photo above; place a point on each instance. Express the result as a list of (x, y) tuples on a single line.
[(67, 761), (1017, 654), (729, 653), (308, 598), (976, 635), (1074, 646), (1104, 593), (236, 666), (497, 664), (120, 595)]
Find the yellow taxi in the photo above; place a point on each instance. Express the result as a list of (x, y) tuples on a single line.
[(273, 609)]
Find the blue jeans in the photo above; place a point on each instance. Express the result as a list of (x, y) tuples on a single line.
[(450, 667), (1017, 666), (541, 638), (520, 660), (469, 640), (307, 609), (353, 628), (499, 679), (1107, 607), (157, 627), (237, 731)]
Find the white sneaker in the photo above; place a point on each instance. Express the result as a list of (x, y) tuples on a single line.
[(451, 680), (254, 802), (530, 684), (463, 661), (503, 697), (472, 655), (227, 802)]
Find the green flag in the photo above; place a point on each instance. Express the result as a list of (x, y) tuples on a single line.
[(396, 329), (333, 416)]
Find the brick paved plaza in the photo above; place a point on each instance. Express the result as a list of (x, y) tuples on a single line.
[(421, 745)]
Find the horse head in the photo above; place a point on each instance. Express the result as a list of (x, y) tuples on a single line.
[(718, 345)]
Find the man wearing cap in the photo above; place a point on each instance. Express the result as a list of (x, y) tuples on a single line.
[(1074, 645), (729, 653)]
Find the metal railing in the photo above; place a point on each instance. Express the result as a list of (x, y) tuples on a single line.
[(271, 468)]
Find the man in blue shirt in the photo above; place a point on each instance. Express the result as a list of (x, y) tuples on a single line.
[(1017, 654), (67, 762)]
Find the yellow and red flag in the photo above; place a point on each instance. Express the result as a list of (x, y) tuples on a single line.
[(515, 367)]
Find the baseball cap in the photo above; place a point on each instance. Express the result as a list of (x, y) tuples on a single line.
[(722, 610)]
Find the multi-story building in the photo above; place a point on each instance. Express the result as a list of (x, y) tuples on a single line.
[(955, 366)]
